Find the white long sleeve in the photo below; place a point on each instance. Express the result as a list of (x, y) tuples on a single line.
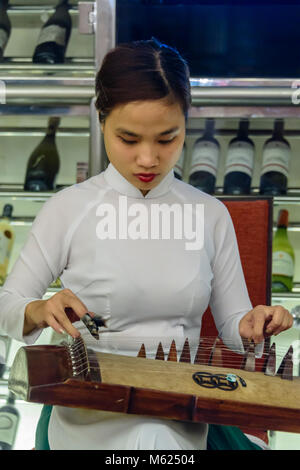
[(28, 281), (40, 262)]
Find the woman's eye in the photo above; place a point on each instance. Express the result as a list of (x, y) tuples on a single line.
[(166, 141), (131, 142), (128, 141)]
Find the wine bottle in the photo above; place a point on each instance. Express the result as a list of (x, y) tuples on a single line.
[(275, 162), (5, 26), (9, 421), (239, 162), (205, 159), (7, 238), (5, 344), (54, 36), (178, 169), (43, 164), (283, 257), (2, 356)]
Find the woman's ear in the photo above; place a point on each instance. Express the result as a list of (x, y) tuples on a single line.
[(101, 123)]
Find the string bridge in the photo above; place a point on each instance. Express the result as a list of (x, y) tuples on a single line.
[(85, 365), (83, 361), (212, 352)]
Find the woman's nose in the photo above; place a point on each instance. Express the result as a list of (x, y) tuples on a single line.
[(147, 156)]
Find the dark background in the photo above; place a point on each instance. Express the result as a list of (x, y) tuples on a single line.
[(220, 38)]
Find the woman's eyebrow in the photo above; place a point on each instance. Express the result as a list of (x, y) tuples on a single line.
[(132, 134)]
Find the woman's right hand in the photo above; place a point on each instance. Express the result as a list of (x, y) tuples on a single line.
[(52, 312)]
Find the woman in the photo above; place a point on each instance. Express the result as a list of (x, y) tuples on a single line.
[(153, 287)]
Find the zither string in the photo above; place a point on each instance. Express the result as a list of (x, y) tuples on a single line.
[(82, 362)]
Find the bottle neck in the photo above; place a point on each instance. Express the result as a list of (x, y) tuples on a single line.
[(281, 234), (243, 130), (278, 130), (52, 127), (209, 130), (3, 4), (51, 131), (63, 3), (283, 219)]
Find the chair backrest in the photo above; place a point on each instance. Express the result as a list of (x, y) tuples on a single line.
[(252, 217)]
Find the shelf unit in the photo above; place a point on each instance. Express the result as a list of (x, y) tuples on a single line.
[(67, 90), (34, 92)]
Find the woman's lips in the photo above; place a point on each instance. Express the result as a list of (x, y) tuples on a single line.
[(146, 177)]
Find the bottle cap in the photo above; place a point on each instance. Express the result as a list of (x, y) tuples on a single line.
[(7, 210), (11, 399), (54, 122), (283, 218)]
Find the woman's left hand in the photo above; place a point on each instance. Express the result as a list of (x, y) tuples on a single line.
[(264, 321)]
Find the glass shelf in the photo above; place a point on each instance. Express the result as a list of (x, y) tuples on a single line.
[(286, 295), (26, 22), (17, 192), (22, 68)]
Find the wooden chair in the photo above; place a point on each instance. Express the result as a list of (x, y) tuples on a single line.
[(252, 218)]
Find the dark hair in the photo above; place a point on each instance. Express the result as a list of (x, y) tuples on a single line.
[(142, 70)]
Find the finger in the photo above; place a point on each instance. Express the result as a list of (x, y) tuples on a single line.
[(277, 321), (266, 331), (245, 326), (76, 308), (286, 324), (55, 325), (65, 324), (258, 326)]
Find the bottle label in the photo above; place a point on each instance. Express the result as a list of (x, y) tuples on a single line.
[(3, 39), (82, 171), (8, 427), (205, 157), (4, 241), (276, 157), (52, 33), (282, 264), (240, 157)]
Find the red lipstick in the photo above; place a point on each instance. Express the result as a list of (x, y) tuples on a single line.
[(146, 177)]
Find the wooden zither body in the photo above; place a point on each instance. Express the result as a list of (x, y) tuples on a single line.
[(71, 375)]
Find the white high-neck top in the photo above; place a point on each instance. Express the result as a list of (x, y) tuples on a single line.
[(153, 289)]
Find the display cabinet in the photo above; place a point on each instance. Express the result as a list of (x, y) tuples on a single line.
[(31, 93)]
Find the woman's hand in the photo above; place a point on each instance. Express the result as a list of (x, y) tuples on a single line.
[(264, 321), (59, 312)]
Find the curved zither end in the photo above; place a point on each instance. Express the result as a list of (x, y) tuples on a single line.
[(18, 376)]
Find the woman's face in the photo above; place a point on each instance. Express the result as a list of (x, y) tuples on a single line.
[(144, 137)]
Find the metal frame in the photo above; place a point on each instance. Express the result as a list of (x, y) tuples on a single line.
[(69, 89)]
